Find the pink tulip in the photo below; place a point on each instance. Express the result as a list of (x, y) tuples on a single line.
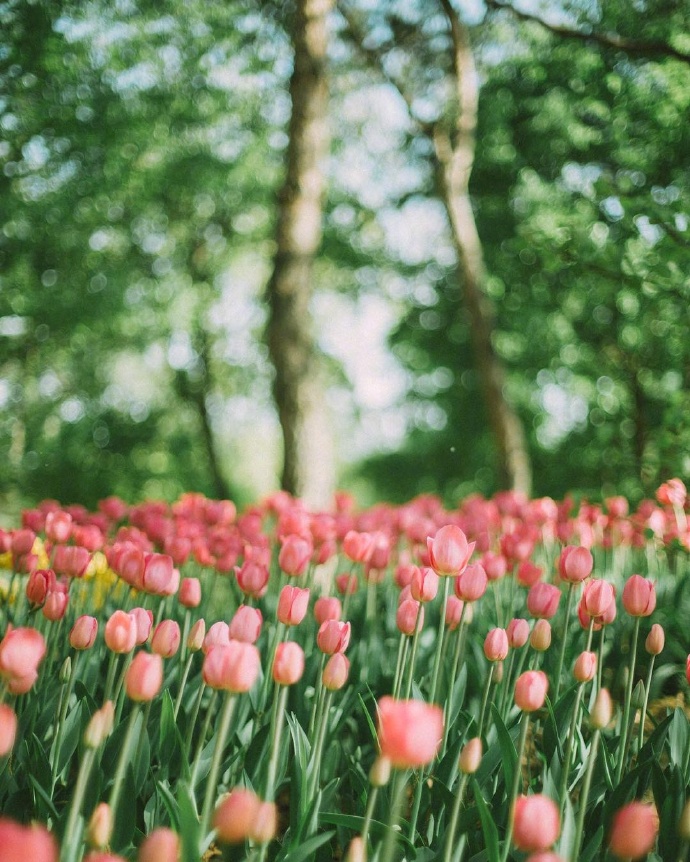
[(575, 564), (543, 599), (144, 676), (333, 636), (336, 671), (454, 609), (536, 822), (39, 584), (295, 555), (233, 667), (197, 633), (236, 815), (639, 596), (530, 690), (217, 635), (166, 638), (21, 652), (288, 664), (409, 731), (449, 551), (655, 640), (540, 637), (158, 573), (518, 633), (162, 845), (246, 624), (252, 578), (71, 560), (357, 546), (8, 728), (406, 616), (633, 831), (585, 667), (190, 593), (471, 584), (346, 584), (83, 633), (424, 585), (327, 608), (496, 645), (55, 605), (293, 603), (24, 843)]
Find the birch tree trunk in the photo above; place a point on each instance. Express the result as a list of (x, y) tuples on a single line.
[(308, 465)]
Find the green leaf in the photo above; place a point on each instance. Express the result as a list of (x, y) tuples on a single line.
[(126, 815), (592, 847), (170, 803), (355, 823), (372, 726), (71, 734), (305, 850), (488, 825), (508, 750), (190, 828)]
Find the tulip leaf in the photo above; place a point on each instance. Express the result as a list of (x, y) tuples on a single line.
[(126, 815), (189, 821), (592, 847), (305, 850), (678, 736), (170, 803), (488, 825), (71, 734), (508, 750)]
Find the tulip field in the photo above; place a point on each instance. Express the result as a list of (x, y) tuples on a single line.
[(506, 680)]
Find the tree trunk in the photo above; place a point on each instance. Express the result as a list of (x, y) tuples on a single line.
[(308, 466), (456, 158)]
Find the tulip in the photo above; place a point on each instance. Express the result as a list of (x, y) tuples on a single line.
[(575, 564), (162, 845), (454, 609), (424, 585), (144, 676), (265, 823), (470, 585), (288, 663), (21, 651), (166, 638), (655, 640), (494, 565), (217, 635), (24, 843), (190, 593), (8, 728), (496, 645), (357, 850), (100, 826), (518, 633), (40, 583), (633, 831), (406, 617), (409, 731), (252, 578), (327, 608), (100, 856), (71, 560), (292, 605), (197, 634), (602, 710), (597, 598), (295, 554), (55, 605), (530, 690), (235, 816), (83, 633), (333, 636), (543, 599), (585, 667), (100, 725), (335, 672), (144, 622), (346, 584), (158, 573), (540, 637), (471, 756), (246, 624), (357, 546), (58, 527), (449, 551), (536, 822), (121, 632), (233, 667), (639, 596)]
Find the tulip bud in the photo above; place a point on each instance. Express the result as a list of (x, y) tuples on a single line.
[(540, 639), (265, 823), (655, 640), (585, 667), (633, 831), (100, 826), (84, 631), (162, 845), (327, 608), (190, 593), (496, 645), (602, 711), (536, 822), (100, 726), (288, 664), (196, 636), (380, 772), (246, 624), (357, 851), (471, 756), (518, 633), (144, 676), (530, 690), (166, 638), (8, 729), (637, 700), (336, 671)]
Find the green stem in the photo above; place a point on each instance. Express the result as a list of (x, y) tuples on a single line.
[(439, 641), (413, 657), (276, 732), (399, 665), (368, 814), (195, 714), (564, 636), (72, 842), (67, 689), (202, 738), (211, 788), (485, 699), (565, 772), (124, 759), (318, 694), (516, 784), (180, 693), (110, 676), (646, 701), (455, 814), (318, 747), (600, 658), (397, 792), (584, 795), (453, 678), (622, 745)]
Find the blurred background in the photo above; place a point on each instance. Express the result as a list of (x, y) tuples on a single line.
[(394, 247)]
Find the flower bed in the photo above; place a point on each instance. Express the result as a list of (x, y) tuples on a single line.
[(187, 681)]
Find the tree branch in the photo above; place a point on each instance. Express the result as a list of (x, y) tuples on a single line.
[(375, 56), (608, 40)]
